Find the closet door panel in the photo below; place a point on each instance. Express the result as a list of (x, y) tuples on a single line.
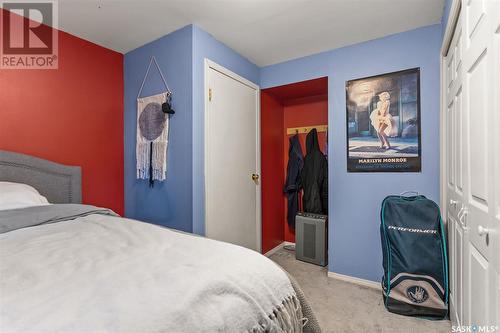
[(457, 171), (450, 151), (451, 257), (458, 144), (458, 262), (479, 288), (478, 121)]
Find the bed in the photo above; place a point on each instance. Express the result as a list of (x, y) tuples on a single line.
[(68, 267)]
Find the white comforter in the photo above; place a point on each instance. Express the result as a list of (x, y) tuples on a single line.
[(109, 274)]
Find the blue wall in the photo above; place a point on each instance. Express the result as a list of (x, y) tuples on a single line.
[(446, 14), (355, 198), (354, 201), (206, 46), (169, 203), (179, 201)]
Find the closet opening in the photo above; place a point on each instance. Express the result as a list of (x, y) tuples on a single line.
[(288, 110)]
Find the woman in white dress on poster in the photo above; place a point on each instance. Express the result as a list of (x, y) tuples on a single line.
[(381, 119)]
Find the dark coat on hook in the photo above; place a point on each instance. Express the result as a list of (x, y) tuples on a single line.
[(314, 177), (293, 169)]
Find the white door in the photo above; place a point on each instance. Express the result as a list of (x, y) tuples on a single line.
[(472, 149), (455, 172), (232, 158), (494, 233)]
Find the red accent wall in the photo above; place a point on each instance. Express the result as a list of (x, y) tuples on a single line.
[(305, 111), (294, 105), (272, 177), (72, 115)]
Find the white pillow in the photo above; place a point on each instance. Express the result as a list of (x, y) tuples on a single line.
[(15, 195)]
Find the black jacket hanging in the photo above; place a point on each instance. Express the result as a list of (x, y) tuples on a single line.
[(295, 163), (314, 177)]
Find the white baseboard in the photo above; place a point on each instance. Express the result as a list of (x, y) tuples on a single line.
[(355, 280), (277, 248), (274, 250)]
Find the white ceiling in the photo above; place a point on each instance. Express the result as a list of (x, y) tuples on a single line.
[(264, 31)]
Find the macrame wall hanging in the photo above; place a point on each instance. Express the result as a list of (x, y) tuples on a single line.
[(153, 117)]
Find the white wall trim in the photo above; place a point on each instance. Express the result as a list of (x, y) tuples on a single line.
[(277, 248), (274, 249), (209, 64), (447, 38), (450, 26), (442, 140), (355, 280)]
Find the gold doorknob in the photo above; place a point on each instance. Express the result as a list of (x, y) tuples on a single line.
[(255, 177)]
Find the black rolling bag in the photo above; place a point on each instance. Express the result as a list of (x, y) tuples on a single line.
[(415, 281)]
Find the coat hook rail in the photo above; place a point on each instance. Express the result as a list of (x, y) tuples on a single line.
[(306, 129)]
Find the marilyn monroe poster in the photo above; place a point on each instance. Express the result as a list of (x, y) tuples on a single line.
[(383, 123)]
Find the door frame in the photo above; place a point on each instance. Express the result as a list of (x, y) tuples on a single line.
[(209, 64), (447, 39), (448, 35)]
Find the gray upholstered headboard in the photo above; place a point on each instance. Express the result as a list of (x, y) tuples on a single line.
[(58, 183)]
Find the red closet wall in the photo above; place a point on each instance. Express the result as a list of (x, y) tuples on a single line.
[(306, 111), (71, 115), (294, 105), (272, 177)]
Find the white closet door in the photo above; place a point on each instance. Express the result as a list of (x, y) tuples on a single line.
[(456, 170), (478, 109), (494, 234), (472, 150), (232, 150)]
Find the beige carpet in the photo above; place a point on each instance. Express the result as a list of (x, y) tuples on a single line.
[(342, 307)]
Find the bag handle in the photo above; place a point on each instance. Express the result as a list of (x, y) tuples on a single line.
[(405, 193), (146, 76)]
